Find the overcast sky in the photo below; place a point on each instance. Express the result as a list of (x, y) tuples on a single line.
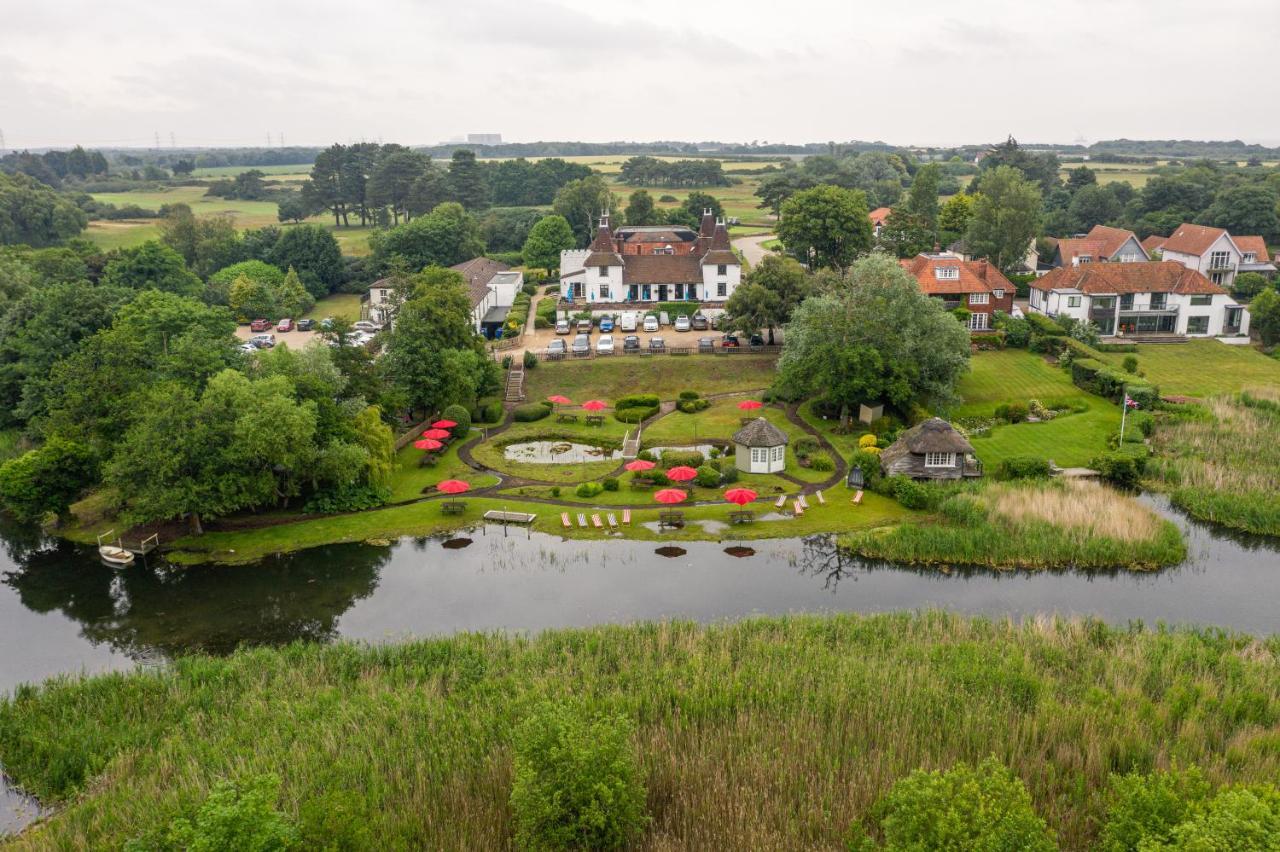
[(928, 72)]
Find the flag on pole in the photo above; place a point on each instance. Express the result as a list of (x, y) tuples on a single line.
[(1130, 402)]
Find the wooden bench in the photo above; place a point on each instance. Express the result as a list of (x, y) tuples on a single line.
[(567, 418), (671, 519), (741, 517), (453, 507), (641, 482), (594, 419)]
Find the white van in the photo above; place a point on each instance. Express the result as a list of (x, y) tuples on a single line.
[(627, 322)]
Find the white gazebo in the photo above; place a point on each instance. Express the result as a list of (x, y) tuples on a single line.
[(761, 447)]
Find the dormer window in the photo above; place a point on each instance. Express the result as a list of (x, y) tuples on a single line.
[(1249, 257), (664, 250), (1084, 258), (947, 273)]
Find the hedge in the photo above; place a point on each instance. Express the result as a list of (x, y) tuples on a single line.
[(530, 412), (1044, 325), (683, 458), (637, 400), (1106, 381), (634, 415), (1022, 467)]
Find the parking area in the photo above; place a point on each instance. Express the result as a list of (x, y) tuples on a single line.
[(295, 339), (537, 341)]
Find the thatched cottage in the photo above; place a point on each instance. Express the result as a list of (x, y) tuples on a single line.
[(930, 450)]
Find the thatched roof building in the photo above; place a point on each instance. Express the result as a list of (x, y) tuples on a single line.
[(930, 450)]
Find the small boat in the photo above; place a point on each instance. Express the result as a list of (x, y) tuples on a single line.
[(113, 554)]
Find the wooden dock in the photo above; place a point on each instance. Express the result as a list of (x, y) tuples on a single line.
[(501, 517)]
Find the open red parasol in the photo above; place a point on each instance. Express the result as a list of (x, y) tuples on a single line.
[(452, 486), (594, 405), (443, 424), (670, 495), (681, 474), (639, 465), (750, 404), (436, 433), (557, 399), (741, 496), (427, 444)]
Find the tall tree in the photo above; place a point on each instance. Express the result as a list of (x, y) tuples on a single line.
[(466, 181), (826, 226), (751, 309), (922, 200), (430, 189), (547, 239), (391, 183), (313, 251), (581, 202), (786, 279), (33, 214), (151, 266), (1006, 218), (953, 218), (640, 209), (46, 481), (445, 236), (1246, 210), (1041, 169)]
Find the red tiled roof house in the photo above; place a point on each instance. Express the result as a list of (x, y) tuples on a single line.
[(974, 285)]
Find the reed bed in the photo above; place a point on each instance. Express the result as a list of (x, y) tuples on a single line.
[(1034, 525), (1222, 463), (771, 733)]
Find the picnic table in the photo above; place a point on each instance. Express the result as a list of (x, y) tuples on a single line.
[(641, 482), (567, 418), (453, 507), (594, 419), (741, 517), (671, 519)]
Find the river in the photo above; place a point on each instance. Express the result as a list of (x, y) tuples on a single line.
[(61, 610)]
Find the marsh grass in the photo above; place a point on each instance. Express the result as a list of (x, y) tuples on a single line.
[(1054, 524), (772, 733), (1222, 463)]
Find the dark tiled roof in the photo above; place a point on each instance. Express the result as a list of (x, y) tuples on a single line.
[(1104, 279), (661, 269), (720, 251), (603, 251), (480, 267), (760, 433)]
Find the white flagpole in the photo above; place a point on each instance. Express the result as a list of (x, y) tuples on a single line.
[(1124, 412)]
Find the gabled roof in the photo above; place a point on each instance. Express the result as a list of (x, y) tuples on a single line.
[(1257, 245), (934, 435), (878, 215), (1155, 242), (1110, 240), (662, 269), (1072, 248), (720, 250), (760, 433), (1105, 279), (480, 267), (603, 251), (1193, 239), (975, 276), (477, 290)]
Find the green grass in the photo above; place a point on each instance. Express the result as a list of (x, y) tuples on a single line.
[(610, 378), (409, 478), (1202, 368), (342, 305), (275, 171), (1011, 375), (1070, 440), (772, 733)]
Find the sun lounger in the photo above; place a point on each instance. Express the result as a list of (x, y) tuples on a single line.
[(582, 520), (564, 519), (799, 509), (804, 504), (626, 517), (596, 522), (782, 501), (612, 519), (821, 499), (857, 498)]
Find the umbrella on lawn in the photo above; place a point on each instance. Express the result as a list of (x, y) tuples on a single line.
[(741, 496), (557, 399), (427, 444), (681, 474), (750, 404), (438, 434), (670, 495), (453, 486), (594, 405), (443, 424), (639, 465)]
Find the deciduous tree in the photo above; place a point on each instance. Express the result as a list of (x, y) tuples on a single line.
[(547, 239), (1006, 218), (826, 226)]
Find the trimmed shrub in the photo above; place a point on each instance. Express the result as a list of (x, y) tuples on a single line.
[(708, 476), (577, 782), (490, 411), (868, 440), (822, 462), (540, 322), (555, 491), (637, 400), (682, 458), (693, 406), (1041, 324), (610, 484), (506, 362), (458, 415), (1130, 364), (689, 394), (1119, 469), (634, 415), (908, 492), (530, 360), (1013, 412), (1022, 467), (530, 412), (729, 475), (588, 489)]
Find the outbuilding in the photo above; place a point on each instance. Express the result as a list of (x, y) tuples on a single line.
[(931, 450), (761, 447)]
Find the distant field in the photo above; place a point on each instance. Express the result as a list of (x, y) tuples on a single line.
[(232, 171), (612, 163), (739, 200)]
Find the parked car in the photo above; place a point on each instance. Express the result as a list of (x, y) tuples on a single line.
[(366, 326), (326, 323), (248, 347), (700, 323), (260, 325), (706, 344), (306, 324), (730, 341), (627, 322), (582, 345), (657, 344), (604, 345), (584, 326), (682, 323), (562, 326), (757, 340), (284, 325), (263, 341), (630, 343), (606, 324), (650, 322), (556, 349)]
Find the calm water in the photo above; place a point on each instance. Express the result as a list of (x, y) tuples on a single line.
[(558, 452), (63, 611)]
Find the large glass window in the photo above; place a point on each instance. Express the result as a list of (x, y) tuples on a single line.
[(1197, 325), (1202, 300), (939, 459)]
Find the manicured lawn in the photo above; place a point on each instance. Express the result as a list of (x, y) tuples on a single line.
[(1011, 375), (343, 305), (610, 378), (1203, 368), (492, 453), (1070, 440), (410, 478)]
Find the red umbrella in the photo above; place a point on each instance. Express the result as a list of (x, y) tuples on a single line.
[(750, 404), (443, 424), (436, 433), (594, 405), (428, 444), (670, 495), (741, 496), (559, 400), (639, 465), (682, 474), (452, 486)]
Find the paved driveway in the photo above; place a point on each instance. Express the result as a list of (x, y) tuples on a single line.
[(752, 248), (295, 339)]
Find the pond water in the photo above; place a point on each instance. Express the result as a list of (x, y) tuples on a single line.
[(558, 452), (61, 610), (705, 449)]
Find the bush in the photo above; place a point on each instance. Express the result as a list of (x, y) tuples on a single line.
[(1249, 284), (530, 412), (1013, 412), (530, 360), (1142, 421), (728, 474), (555, 491), (588, 489), (986, 807), (1130, 364), (682, 458), (234, 816), (577, 783), (708, 476), (634, 415), (490, 411), (689, 394), (1023, 467), (1017, 331), (868, 440), (822, 462), (693, 406), (1149, 807), (354, 497), (911, 494), (637, 400), (541, 322), (458, 415), (610, 484), (804, 446), (1119, 469), (1041, 324), (506, 362)]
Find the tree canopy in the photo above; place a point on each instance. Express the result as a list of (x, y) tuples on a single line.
[(826, 226)]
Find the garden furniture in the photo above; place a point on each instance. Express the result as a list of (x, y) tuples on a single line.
[(626, 517), (821, 499), (582, 520), (596, 522), (857, 498), (799, 510), (741, 517), (564, 519), (453, 507), (613, 520)]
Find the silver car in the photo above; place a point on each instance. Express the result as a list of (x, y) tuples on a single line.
[(581, 345), (682, 323), (604, 346)]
